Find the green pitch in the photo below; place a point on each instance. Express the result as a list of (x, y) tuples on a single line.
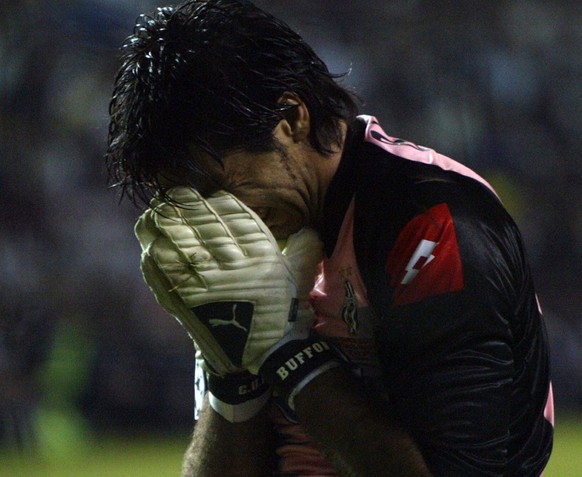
[(162, 457), (566, 458), (111, 457)]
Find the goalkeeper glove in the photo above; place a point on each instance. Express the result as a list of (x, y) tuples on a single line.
[(214, 265)]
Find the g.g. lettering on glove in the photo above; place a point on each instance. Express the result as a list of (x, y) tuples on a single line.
[(238, 397), (237, 388)]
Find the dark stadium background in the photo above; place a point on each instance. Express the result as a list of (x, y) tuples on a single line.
[(86, 354)]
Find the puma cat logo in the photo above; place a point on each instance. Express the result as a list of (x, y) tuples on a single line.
[(218, 322)]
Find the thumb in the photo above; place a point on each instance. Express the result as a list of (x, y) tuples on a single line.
[(304, 252)]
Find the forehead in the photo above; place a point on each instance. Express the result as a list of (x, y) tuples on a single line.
[(237, 167)]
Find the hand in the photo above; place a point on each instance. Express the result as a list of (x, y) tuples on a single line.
[(215, 266)]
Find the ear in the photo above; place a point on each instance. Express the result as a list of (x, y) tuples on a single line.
[(296, 123)]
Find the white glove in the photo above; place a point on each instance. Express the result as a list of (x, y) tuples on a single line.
[(215, 266)]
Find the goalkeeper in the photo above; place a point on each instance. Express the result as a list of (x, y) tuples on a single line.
[(361, 305)]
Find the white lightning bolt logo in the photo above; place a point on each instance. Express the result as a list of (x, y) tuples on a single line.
[(421, 257)]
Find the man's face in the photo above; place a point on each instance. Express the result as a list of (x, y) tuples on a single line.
[(279, 185), (285, 187)]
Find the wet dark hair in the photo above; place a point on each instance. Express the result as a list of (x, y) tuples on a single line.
[(209, 74)]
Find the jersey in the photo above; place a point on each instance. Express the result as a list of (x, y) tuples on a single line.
[(427, 290)]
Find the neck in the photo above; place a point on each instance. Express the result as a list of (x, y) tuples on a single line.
[(327, 166)]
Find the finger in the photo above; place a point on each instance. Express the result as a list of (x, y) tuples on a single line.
[(195, 223), (250, 232), (145, 229), (181, 269)]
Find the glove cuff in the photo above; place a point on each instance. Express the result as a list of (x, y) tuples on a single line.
[(238, 397), (294, 364)]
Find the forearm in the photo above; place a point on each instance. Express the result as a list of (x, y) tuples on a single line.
[(359, 436), (223, 449)]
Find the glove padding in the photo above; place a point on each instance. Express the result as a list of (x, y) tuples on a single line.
[(215, 266)]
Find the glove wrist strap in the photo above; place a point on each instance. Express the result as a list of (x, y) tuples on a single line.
[(294, 364), (239, 397)]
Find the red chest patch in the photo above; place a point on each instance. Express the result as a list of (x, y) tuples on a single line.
[(425, 260)]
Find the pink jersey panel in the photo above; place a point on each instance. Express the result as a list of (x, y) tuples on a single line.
[(344, 318), (549, 410), (341, 305), (408, 150)]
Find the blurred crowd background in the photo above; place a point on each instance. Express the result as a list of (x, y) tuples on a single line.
[(83, 346)]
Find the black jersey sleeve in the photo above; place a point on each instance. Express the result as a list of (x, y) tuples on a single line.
[(459, 333)]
